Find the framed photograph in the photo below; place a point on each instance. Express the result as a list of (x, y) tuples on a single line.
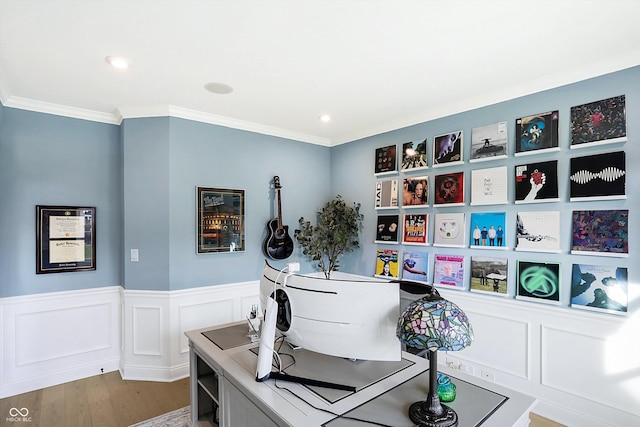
[(448, 270), (489, 275), (489, 142), (539, 281), (603, 288), (488, 230), (447, 149), (598, 177), (387, 194), (449, 189), (603, 232), (415, 192), (537, 133), (220, 222), (387, 263), (388, 229), (538, 231), (414, 156), (537, 182), (386, 160), (489, 186), (449, 230), (415, 266), (599, 122), (415, 229), (65, 239)]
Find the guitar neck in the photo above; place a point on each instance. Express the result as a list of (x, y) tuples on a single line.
[(279, 212)]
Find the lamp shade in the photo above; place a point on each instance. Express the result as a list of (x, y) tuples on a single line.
[(434, 323)]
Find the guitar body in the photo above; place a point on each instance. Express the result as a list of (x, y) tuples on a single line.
[(278, 244)]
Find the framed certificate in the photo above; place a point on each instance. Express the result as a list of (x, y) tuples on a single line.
[(65, 239)]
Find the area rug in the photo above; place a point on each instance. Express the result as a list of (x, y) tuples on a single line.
[(178, 418)]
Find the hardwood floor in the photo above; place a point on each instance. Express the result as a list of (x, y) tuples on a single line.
[(104, 400)]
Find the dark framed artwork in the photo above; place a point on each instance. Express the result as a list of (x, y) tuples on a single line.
[(537, 133), (388, 229), (220, 222), (603, 288), (603, 232), (65, 239), (386, 160), (599, 122), (539, 281), (598, 177), (537, 182), (414, 155), (448, 149)]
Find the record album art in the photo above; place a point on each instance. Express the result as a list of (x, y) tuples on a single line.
[(599, 122), (489, 275), (489, 186), (387, 194), (388, 229), (414, 155), (537, 133), (386, 160), (415, 229), (387, 265), (538, 231), (537, 182), (448, 270), (415, 192), (539, 281), (489, 142), (447, 149), (598, 177), (449, 189), (604, 232), (415, 266), (601, 288), (488, 230), (449, 230)]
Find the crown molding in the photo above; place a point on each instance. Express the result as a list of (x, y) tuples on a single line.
[(60, 110)]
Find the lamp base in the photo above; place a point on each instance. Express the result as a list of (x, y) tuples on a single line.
[(419, 414)]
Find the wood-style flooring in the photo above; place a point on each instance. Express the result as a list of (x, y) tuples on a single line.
[(104, 400)]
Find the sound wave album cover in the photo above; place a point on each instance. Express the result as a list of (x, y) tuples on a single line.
[(600, 177)]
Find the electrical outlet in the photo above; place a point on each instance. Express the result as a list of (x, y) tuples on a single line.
[(486, 374)]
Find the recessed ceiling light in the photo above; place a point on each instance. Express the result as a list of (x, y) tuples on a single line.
[(118, 62), (325, 118), (219, 88)]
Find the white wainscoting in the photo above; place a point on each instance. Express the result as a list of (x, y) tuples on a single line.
[(155, 347), (53, 338), (582, 366)]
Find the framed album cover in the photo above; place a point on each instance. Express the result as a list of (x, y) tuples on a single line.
[(449, 230), (489, 275), (598, 177), (387, 264), (599, 122), (447, 149), (414, 156), (415, 229), (602, 288), (220, 225), (537, 133), (415, 266), (386, 160), (489, 142), (538, 231), (536, 182), (538, 281), (415, 192), (600, 232), (65, 239), (388, 229), (488, 230), (448, 270), (386, 194), (489, 186), (449, 189)]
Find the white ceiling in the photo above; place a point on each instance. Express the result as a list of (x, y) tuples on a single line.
[(373, 65)]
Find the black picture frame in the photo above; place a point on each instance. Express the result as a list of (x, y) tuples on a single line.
[(65, 239), (220, 221)]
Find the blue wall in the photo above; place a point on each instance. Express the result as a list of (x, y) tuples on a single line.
[(352, 172), (52, 160)]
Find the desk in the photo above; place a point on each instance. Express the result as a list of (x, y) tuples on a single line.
[(224, 391)]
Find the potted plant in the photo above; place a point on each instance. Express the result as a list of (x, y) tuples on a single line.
[(335, 233)]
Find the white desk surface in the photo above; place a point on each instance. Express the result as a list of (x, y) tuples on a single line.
[(296, 407)]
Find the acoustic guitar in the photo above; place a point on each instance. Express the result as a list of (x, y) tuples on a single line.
[(278, 244)]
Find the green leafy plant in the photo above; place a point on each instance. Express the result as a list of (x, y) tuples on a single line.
[(335, 233)]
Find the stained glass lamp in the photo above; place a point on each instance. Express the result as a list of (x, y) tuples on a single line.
[(434, 323)]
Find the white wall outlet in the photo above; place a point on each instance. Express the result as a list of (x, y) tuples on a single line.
[(134, 255)]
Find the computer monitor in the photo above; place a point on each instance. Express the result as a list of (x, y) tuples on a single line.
[(353, 318)]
